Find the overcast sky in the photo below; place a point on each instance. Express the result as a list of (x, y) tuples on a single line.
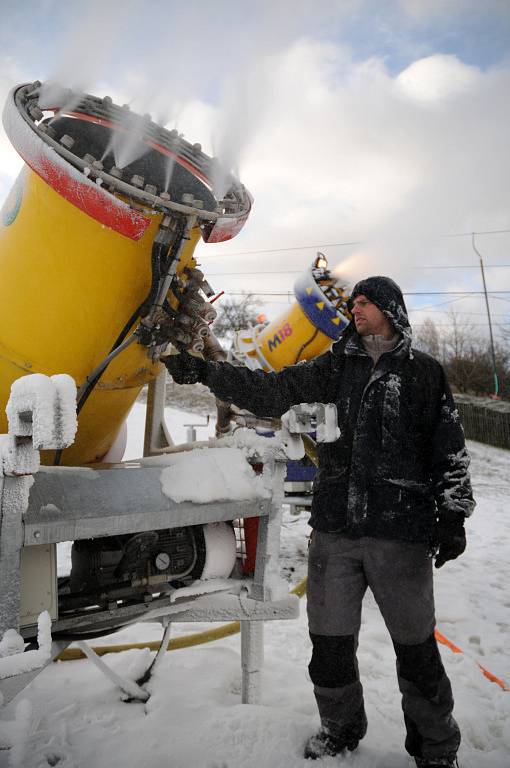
[(382, 123)]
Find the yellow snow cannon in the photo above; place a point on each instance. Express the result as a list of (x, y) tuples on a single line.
[(307, 329), (97, 238)]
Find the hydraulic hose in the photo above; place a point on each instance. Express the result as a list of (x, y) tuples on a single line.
[(91, 381)]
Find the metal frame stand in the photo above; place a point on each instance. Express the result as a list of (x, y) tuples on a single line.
[(68, 504)]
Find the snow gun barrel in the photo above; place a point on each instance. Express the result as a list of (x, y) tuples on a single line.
[(305, 330), (97, 240)]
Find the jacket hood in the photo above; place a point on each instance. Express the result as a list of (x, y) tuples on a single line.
[(387, 296)]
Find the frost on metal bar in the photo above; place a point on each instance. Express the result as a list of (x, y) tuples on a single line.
[(169, 494)]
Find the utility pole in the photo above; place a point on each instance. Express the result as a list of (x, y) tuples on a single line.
[(496, 380)]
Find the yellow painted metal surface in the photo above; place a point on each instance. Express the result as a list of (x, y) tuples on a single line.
[(289, 339), (68, 284)]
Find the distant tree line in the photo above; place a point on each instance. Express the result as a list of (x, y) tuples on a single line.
[(466, 356)]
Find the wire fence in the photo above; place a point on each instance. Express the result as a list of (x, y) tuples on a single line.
[(487, 421)]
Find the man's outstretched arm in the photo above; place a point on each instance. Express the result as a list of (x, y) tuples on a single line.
[(264, 394)]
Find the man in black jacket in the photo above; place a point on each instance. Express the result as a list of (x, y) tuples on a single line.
[(390, 492)]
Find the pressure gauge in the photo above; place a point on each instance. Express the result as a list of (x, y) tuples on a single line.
[(162, 561)]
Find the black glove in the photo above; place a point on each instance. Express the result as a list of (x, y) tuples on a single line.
[(185, 368), (451, 538)]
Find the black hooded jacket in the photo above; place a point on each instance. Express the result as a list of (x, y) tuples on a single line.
[(400, 465)]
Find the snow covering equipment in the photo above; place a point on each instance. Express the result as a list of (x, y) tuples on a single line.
[(122, 516), (97, 233)]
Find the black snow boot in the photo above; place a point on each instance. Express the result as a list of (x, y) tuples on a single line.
[(446, 761), (324, 744)]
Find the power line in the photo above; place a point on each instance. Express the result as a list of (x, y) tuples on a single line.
[(299, 271), (450, 293), (353, 242), (484, 232), (281, 250), (441, 304), (405, 293), (461, 266), (258, 274), (460, 312), (449, 325)]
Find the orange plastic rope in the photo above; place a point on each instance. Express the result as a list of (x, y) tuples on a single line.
[(455, 648)]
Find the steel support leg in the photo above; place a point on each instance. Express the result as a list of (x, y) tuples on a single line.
[(13, 503), (267, 565), (252, 660)]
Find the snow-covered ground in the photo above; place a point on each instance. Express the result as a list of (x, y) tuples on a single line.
[(194, 718)]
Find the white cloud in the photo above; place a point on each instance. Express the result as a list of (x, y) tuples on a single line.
[(437, 77), (337, 150)]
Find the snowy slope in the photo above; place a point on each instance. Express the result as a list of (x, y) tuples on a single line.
[(194, 718)]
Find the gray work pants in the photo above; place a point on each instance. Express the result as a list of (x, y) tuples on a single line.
[(400, 576)]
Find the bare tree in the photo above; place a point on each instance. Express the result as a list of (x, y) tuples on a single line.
[(235, 314), (466, 356), (427, 338)]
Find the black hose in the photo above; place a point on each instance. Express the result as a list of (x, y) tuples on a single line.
[(303, 346)]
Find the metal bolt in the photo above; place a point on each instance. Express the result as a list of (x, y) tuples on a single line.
[(48, 130), (137, 181), (67, 141), (35, 112), (209, 315), (107, 101), (197, 148), (98, 165), (187, 199), (116, 172), (165, 196), (197, 346), (37, 534), (89, 159), (151, 189), (198, 203)]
